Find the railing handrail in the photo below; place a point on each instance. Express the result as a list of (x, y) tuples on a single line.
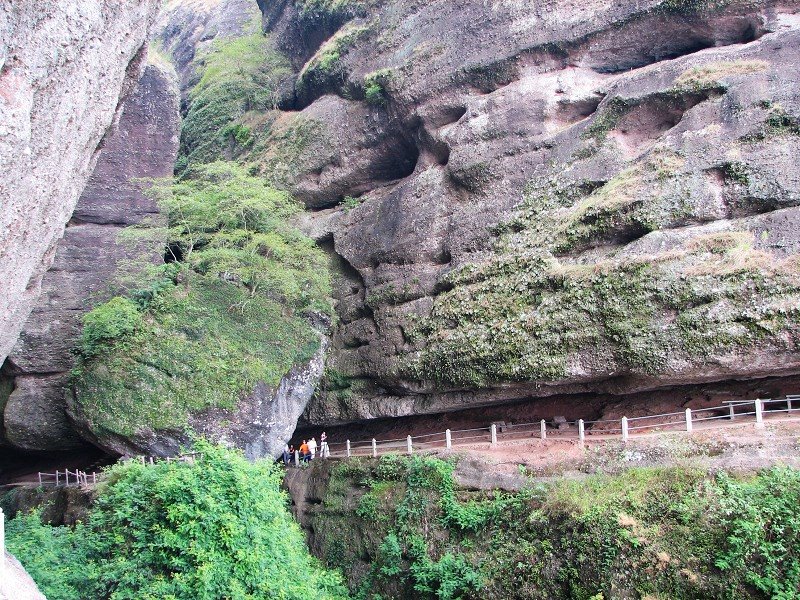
[(515, 428), (396, 444)]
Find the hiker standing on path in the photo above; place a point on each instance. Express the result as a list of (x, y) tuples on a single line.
[(286, 455), (305, 453), (324, 452), (312, 446)]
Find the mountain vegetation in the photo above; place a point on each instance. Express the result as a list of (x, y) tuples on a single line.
[(217, 527)]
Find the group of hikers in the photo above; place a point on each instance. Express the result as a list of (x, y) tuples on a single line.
[(307, 450)]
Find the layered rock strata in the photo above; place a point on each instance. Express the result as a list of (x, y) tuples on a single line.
[(65, 69), (533, 200)]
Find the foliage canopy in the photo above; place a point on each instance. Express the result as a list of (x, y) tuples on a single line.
[(218, 528)]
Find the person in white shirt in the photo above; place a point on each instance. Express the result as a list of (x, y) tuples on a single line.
[(312, 447), (324, 452)]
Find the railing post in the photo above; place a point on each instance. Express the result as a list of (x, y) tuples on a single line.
[(142, 457), (151, 461), (374, 448), (759, 414), (66, 477), (789, 403), (581, 433), (625, 429), (94, 478), (56, 477), (448, 439), (2, 545), (494, 434), (731, 411), (543, 430), (348, 448), (689, 420), (409, 445), (297, 458), (40, 479)]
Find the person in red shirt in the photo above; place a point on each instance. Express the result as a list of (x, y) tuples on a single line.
[(305, 452)]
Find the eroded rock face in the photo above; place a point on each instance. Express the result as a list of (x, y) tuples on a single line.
[(16, 583), (64, 70), (188, 27), (143, 146), (599, 198)]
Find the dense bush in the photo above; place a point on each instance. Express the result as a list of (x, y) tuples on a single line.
[(218, 528), (658, 533)]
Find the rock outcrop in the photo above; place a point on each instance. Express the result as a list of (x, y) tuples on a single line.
[(83, 273), (261, 423), (16, 584), (543, 199), (187, 28), (65, 69)]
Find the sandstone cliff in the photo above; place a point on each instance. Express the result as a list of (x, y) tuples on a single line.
[(64, 70), (231, 367), (518, 201), (529, 200), (84, 270)]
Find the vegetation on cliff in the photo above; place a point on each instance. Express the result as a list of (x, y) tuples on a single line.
[(401, 528), (215, 528), (230, 309), (239, 76)]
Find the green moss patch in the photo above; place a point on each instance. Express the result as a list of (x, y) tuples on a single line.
[(325, 70), (239, 75), (524, 316)]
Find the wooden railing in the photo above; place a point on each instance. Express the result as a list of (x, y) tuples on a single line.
[(579, 430)]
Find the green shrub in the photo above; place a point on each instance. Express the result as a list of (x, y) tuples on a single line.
[(55, 557), (218, 528), (374, 94), (762, 530), (109, 323), (647, 532), (375, 85)]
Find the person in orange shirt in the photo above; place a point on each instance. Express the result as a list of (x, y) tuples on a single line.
[(305, 452)]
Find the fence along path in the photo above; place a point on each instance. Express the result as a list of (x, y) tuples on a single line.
[(497, 432), (81, 478)]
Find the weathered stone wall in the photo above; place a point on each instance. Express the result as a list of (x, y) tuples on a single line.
[(64, 69), (143, 146)]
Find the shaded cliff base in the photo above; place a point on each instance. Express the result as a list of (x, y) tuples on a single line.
[(587, 406)]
